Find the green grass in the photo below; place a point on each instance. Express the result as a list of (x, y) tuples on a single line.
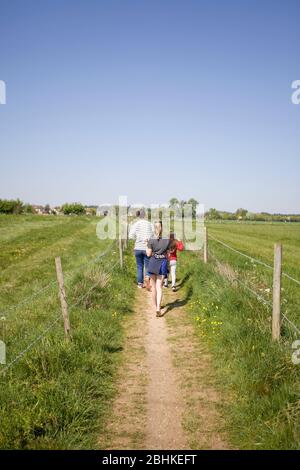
[(58, 395), (257, 375)]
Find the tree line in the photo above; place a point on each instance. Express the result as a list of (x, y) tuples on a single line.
[(16, 206), (245, 215)]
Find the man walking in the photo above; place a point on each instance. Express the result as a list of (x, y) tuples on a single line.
[(141, 231)]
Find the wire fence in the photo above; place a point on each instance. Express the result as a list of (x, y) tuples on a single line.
[(53, 283), (235, 278), (245, 286), (262, 263), (58, 316)]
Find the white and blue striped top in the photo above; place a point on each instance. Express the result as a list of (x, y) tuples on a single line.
[(141, 231)]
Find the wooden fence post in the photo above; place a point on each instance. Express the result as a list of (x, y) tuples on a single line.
[(205, 246), (125, 241), (63, 299), (121, 252), (276, 291)]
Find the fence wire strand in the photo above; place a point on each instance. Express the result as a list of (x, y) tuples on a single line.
[(67, 275), (262, 263), (259, 297), (52, 324)]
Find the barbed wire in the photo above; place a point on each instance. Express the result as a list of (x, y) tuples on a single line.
[(235, 278), (24, 351), (93, 261), (259, 297), (288, 276), (67, 275), (28, 299), (291, 323), (44, 333)]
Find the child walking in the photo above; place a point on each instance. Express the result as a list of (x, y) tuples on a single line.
[(172, 257)]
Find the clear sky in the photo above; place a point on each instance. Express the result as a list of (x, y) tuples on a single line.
[(151, 99)]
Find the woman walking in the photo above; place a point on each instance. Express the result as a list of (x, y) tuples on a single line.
[(157, 249)]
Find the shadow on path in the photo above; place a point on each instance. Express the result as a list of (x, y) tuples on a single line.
[(178, 302)]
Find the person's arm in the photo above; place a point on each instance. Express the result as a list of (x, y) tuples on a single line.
[(180, 246), (132, 231), (149, 249), (149, 233)]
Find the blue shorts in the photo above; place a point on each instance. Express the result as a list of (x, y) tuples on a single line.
[(164, 268), (159, 267)]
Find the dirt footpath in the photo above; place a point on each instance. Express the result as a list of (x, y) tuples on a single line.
[(166, 397)]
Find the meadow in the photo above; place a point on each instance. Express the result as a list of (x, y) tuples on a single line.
[(257, 375), (57, 394)]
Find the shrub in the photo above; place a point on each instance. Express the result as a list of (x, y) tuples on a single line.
[(11, 206), (74, 208)]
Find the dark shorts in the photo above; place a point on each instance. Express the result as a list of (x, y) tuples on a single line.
[(159, 267)]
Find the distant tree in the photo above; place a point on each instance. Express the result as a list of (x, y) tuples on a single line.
[(47, 209), (213, 214), (75, 208), (194, 205), (12, 206), (250, 216), (173, 203), (241, 213), (28, 209)]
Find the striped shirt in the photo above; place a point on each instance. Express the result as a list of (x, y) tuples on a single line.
[(141, 231)]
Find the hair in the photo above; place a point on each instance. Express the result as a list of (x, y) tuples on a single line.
[(142, 214), (158, 228), (173, 242), (138, 213)]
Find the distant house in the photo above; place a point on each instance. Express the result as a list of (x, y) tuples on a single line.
[(90, 210), (132, 210), (45, 210), (37, 209), (103, 210)]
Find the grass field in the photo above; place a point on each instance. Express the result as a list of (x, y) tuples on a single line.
[(58, 394), (257, 375)]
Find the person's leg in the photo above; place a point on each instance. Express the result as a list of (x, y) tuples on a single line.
[(159, 282), (146, 274), (153, 290), (140, 266), (173, 272), (166, 278)]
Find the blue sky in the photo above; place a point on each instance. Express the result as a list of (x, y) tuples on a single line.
[(151, 99)]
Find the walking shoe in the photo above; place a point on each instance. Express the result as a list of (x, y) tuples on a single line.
[(140, 286), (174, 289)]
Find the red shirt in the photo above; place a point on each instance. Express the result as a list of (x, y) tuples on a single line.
[(173, 253)]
